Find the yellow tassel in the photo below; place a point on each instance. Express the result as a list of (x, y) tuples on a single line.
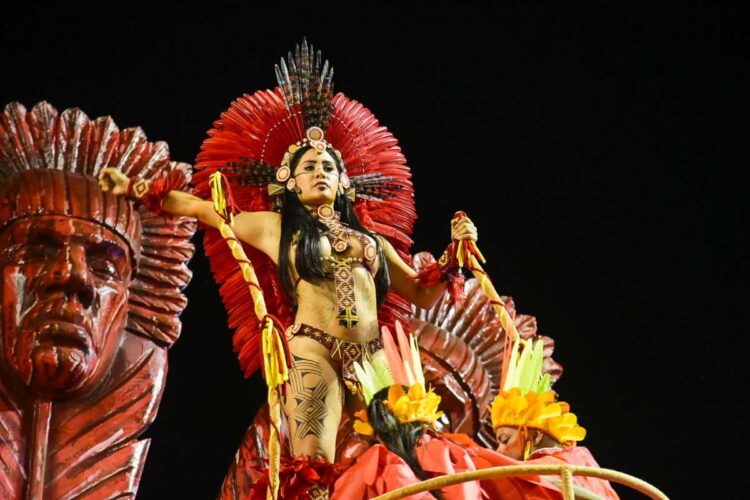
[(276, 370), (275, 367), (219, 198), (476, 249)]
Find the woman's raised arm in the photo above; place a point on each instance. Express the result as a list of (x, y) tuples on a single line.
[(261, 230), (404, 279), (175, 202)]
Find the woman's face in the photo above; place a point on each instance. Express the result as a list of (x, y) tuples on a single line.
[(317, 177), (508, 442)]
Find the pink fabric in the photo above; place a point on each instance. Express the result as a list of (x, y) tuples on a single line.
[(509, 488), (575, 455), (535, 486)]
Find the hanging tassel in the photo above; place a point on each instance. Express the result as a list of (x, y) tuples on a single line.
[(221, 194), (276, 358)]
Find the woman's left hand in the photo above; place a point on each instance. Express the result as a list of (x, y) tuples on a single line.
[(463, 229)]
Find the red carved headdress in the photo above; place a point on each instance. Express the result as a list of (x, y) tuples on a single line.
[(49, 161), (252, 138), (49, 152)]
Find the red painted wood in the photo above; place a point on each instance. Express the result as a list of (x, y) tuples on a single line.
[(90, 288)]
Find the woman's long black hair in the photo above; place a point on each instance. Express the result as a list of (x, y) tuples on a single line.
[(400, 438), (295, 219)]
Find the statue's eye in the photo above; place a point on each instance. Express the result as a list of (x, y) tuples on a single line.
[(103, 266), (105, 261)]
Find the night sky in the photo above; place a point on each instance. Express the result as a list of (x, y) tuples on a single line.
[(602, 155)]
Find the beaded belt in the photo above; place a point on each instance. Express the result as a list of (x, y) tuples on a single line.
[(342, 351)]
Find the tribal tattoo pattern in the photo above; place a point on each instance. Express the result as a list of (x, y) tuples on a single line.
[(309, 391)]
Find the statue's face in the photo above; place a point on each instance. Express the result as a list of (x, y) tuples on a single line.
[(64, 301), (317, 177)]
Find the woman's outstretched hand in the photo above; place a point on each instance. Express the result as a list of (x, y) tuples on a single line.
[(111, 179), (463, 229)]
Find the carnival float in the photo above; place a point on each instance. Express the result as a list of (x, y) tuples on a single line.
[(389, 374)]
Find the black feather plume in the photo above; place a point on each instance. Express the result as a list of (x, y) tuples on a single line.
[(375, 186), (307, 80), (247, 172)]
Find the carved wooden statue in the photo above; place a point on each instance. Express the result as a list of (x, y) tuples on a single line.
[(90, 296)]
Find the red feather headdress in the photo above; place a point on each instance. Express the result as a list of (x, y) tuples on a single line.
[(248, 144)]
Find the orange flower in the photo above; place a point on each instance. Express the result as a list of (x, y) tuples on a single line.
[(362, 423)]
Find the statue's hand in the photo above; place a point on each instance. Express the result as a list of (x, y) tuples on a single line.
[(111, 179), (463, 229)]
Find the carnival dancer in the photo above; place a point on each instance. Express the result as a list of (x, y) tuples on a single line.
[(401, 414), (324, 209), (532, 427)]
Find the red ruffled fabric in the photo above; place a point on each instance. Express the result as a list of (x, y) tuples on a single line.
[(432, 274), (375, 472), (296, 476), (441, 457), (160, 188), (378, 471), (534, 487)]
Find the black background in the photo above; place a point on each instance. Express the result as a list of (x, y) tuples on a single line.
[(602, 154)]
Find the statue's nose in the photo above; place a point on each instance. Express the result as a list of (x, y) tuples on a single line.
[(69, 273)]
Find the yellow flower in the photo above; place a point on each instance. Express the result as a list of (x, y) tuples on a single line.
[(362, 423), (416, 405), (539, 411)]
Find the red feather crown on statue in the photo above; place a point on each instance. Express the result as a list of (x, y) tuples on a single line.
[(254, 134)]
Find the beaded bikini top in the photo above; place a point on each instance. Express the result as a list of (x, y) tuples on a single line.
[(339, 236)]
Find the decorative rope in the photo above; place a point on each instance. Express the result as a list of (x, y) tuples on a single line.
[(275, 355), (566, 475), (529, 470), (467, 255)]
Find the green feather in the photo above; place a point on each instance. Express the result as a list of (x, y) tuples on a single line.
[(373, 375), (382, 372), (524, 368), (544, 384), (536, 364), (511, 377), (365, 382)]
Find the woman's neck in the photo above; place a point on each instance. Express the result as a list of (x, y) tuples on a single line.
[(312, 207)]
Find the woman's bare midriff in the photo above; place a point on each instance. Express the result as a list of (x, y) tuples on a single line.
[(316, 306)]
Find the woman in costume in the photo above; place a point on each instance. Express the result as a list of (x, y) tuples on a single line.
[(532, 427), (401, 414), (325, 207)]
